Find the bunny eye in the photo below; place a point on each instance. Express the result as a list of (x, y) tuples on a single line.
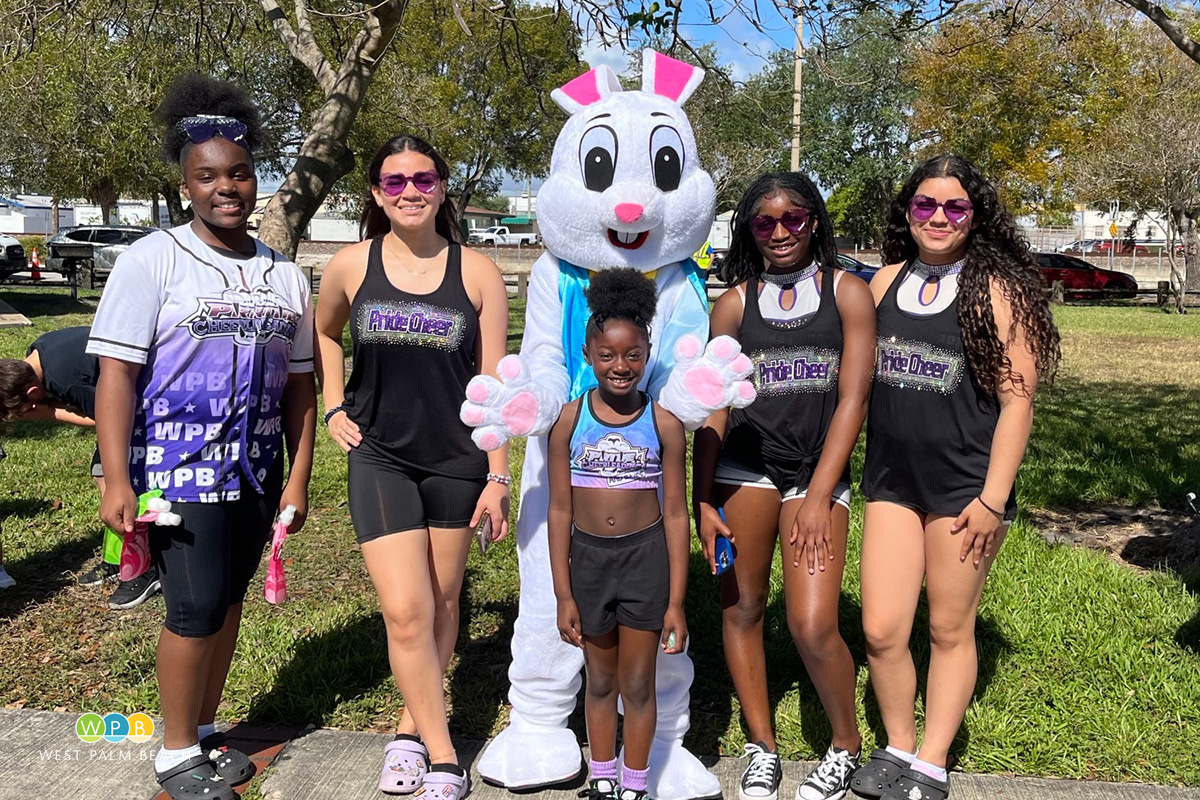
[(598, 156), (666, 154)]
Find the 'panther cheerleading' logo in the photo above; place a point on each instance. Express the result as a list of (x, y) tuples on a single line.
[(248, 316)]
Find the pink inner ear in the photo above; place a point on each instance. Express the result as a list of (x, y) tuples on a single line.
[(670, 76), (583, 89)]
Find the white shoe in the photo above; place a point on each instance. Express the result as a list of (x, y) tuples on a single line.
[(6, 580), (831, 778), (763, 774)]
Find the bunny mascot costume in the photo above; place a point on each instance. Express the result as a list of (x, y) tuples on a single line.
[(625, 190)]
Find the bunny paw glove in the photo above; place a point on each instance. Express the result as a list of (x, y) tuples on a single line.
[(707, 379), (513, 406)]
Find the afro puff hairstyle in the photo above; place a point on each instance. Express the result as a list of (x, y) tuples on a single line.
[(192, 94), (620, 294)]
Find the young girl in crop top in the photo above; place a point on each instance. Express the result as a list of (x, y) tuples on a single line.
[(618, 558)]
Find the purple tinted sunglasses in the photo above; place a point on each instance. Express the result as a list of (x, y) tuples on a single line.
[(794, 220), (393, 183), (202, 127), (923, 208)]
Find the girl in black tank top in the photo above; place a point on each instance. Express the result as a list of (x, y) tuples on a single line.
[(965, 332), (781, 473), (425, 315), (415, 352)]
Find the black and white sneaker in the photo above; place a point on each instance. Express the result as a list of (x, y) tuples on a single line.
[(131, 594), (831, 778), (633, 794), (100, 574), (763, 774), (601, 789)]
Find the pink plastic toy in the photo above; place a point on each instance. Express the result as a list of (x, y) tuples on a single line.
[(135, 555), (275, 587)]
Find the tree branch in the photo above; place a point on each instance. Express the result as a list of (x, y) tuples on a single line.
[(1174, 31), (302, 46)]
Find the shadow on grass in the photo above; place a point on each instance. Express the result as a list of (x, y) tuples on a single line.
[(479, 684), (47, 302), (990, 644), (42, 574), (1113, 442)]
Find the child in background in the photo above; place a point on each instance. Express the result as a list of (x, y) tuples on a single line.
[(618, 558)]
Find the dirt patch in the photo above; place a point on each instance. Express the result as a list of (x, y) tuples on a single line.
[(1145, 538)]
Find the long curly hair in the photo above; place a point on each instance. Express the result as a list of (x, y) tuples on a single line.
[(744, 260), (996, 250), (622, 293), (193, 94), (374, 222)]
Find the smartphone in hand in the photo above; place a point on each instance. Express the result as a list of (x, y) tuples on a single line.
[(723, 552), (484, 533)]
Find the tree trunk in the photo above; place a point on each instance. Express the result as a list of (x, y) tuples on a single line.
[(1191, 248), (324, 157), (175, 209), (53, 216)]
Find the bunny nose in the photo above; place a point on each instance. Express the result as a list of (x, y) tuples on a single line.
[(628, 212)]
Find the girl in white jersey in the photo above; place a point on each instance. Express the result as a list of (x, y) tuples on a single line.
[(205, 343)]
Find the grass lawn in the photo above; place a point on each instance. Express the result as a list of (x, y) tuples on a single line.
[(1088, 668)]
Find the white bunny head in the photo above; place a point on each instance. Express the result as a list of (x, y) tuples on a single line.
[(625, 186)]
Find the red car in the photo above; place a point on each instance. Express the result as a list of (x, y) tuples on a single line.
[(1081, 280)]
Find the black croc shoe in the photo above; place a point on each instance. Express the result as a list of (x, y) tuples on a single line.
[(913, 785), (196, 777), (234, 766), (878, 774)]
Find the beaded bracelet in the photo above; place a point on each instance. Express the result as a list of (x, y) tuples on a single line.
[(329, 414), (989, 508), (504, 480)]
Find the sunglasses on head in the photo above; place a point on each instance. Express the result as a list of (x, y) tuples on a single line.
[(202, 127), (923, 208), (393, 183), (794, 220)]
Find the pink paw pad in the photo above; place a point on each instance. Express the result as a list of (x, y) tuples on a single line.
[(472, 417), (688, 348), (520, 413), (704, 384), (477, 393), (741, 363), (722, 348), (509, 368), (489, 441), (746, 390)]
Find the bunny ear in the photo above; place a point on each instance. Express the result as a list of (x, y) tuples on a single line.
[(663, 75), (590, 87)]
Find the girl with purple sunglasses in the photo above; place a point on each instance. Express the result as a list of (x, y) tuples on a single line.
[(965, 334), (426, 315), (780, 468)]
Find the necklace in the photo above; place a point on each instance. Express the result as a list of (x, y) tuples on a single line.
[(939, 270), (400, 259), (787, 279)]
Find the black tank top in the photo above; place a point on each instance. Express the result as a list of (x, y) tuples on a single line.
[(796, 373), (413, 356), (929, 425)]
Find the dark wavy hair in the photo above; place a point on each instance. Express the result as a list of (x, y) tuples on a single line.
[(17, 377), (622, 293), (996, 250), (374, 221), (744, 260), (193, 94)]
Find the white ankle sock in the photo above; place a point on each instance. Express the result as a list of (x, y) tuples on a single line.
[(932, 770), (904, 754), (204, 731), (170, 758)]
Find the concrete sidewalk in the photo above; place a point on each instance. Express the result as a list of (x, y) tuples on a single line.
[(44, 758)]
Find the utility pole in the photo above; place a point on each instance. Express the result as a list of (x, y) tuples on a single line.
[(796, 96)]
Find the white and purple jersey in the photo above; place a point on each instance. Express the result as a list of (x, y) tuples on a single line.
[(218, 336), (615, 456)]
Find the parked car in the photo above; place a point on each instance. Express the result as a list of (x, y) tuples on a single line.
[(856, 267), (71, 249), (500, 234), (12, 256), (1081, 280), (1123, 247)]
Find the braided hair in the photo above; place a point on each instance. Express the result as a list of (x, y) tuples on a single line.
[(996, 250), (622, 293), (744, 260), (192, 94)]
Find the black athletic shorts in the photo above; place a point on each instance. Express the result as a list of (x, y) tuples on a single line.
[(205, 564), (386, 497), (620, 579)]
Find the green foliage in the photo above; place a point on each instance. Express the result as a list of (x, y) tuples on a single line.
[(483, 100), (856, 135), (31, 241)]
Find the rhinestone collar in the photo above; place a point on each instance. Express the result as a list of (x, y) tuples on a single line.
[(938, 270), (791, 278)]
